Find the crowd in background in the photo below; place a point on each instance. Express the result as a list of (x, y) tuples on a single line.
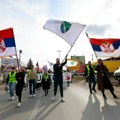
[(23, 78), (18, 80)]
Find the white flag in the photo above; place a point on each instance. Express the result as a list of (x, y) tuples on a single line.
[(67, 30), (71, 63)]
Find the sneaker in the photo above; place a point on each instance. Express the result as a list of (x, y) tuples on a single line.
[(30, 96), (10, 98), (63, 99), (19, 104), (53, 98), (33, 95), (13, 97)]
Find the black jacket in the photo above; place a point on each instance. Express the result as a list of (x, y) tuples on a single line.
[(58, 69)]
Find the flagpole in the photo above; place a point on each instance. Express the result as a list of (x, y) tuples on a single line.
[(16, 54), (17, 60), (91, 45), (72, 45)]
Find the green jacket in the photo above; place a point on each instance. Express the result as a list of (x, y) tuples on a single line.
[(35, 75)]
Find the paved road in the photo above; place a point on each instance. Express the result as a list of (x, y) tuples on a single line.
[(79, 105)]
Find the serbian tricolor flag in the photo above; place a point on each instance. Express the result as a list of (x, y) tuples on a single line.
[(106, 47), (44, 68), (7, 43)]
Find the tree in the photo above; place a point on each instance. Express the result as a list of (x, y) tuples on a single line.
[(30, 63)]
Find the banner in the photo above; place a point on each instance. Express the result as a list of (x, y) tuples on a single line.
[(71, 63), (8, 62)]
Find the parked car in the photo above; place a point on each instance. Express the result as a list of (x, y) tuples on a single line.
[(117, 74)]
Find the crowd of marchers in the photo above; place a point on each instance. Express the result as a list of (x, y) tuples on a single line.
[(17, 80)]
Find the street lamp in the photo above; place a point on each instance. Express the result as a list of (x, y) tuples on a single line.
[(20, 52), (59, 53)]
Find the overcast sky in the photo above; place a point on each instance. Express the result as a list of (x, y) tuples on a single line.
[(27, 17)]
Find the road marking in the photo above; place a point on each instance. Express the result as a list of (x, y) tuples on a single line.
[(35, 110), (48, 109), (5, 108)]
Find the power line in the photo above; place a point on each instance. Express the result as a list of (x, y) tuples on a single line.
[(105, 5)]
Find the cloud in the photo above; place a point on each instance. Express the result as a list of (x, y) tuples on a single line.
[(27, 18), (98, 30), (26, 8)]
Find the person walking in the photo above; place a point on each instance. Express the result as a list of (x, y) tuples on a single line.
[(68, 76), (46, 81), (103, 80), (38, 82), (20, 84), (58, 77), (11, 81), (5, 74), (90, 76), (25, 79), (32, 77)]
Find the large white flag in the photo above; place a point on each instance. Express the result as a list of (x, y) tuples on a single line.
[(67, 30)]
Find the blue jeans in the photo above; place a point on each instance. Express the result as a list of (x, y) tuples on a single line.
[(32, 85), (91, 79), (12, 86)]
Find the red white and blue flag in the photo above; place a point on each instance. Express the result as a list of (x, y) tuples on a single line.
[(7, 43), (106, 47), (44, 68)]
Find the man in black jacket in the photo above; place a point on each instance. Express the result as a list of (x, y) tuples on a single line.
[(58, 77)]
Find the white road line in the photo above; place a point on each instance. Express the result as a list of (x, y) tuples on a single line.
[(35, 110), (7, 105), (7, 109), (51, 106)]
